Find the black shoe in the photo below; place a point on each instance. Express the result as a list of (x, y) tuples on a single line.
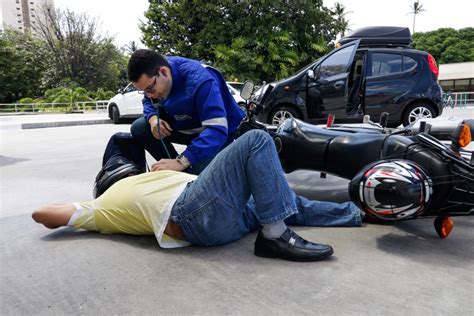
[(291, 247)]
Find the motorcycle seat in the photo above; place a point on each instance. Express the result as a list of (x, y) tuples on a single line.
[(314, 133), (338, 151)]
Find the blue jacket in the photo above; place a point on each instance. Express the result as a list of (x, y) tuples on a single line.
[(199, 102)]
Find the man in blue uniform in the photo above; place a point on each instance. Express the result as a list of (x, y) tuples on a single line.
[(185, 102)]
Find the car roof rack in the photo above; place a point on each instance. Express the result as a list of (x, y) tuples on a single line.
[(380, 36)]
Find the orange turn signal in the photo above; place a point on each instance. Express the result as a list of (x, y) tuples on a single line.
[(445, 227), (465, 136)]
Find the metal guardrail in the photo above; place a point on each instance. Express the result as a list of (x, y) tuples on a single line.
[(98, 106), (458, 99)]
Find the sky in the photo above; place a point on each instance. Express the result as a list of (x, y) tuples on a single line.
[(121, 18)]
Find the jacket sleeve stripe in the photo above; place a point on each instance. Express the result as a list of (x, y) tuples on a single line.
[(219, 121)]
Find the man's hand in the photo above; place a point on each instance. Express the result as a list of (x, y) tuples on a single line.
[(161, 130), (167, 164)]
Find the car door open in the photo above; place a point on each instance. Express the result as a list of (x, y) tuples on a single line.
[(327, 83)]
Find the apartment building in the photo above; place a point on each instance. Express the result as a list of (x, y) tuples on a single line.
[(21, 15)]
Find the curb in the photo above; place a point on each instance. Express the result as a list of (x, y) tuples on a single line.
[(63, 124)]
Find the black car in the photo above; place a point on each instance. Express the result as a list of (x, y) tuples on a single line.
[(374, 71)]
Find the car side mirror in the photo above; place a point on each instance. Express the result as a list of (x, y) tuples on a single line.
[(310, 74), (120, 90), (247, 90)]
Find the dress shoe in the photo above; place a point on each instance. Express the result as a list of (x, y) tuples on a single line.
[(290, 246)]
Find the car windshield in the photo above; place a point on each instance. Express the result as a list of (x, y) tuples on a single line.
[(236, 85), (305, 68)]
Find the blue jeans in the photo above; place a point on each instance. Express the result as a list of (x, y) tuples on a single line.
[(244, 187), (141, 132)]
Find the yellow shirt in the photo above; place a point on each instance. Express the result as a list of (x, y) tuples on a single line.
[(138, 205)]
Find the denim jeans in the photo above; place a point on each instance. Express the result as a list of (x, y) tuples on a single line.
[(244, 187), (141, 132)]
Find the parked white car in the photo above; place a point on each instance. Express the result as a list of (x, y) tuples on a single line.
[(128, 103), (236, 94)]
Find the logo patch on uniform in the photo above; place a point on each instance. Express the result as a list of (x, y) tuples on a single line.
[(182, 117)]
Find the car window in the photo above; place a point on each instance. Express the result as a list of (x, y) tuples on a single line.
[(384, 64), (408, 63), (337, 63), (129, 88), (236, 85)]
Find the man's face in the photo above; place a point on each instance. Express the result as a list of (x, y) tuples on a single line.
[(156, 87)]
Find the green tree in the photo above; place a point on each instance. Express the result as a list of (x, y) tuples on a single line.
[(262, 39), (447, 45), (77, 53), (130, 47), (67, 95), (21, 66)]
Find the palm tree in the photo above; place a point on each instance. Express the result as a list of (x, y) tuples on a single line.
[(340, 12), (130, 47), (417, 8)]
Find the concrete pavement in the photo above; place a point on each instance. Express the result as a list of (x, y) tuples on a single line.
[(377, 269)]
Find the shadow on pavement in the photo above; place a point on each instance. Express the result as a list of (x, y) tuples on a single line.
[(419, 242)]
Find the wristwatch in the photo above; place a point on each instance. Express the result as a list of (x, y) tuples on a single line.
[(183, 160)]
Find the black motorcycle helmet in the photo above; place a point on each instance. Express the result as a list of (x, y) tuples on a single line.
[(391, 190), (114, 170)]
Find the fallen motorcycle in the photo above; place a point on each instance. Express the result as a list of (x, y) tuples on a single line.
[(395, 174)]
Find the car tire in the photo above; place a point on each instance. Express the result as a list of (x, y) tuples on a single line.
[(417, 111), (115, 115), (282, 113)]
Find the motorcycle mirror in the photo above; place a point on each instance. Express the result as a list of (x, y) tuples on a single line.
[(247, 90)]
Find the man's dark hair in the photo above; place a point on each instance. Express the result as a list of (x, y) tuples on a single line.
[(145, 61)]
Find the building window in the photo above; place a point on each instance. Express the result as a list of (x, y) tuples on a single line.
[(461, 85), (447, 85)]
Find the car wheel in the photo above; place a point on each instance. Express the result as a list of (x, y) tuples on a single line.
[(417, 111), (115, 115), (279, 115)]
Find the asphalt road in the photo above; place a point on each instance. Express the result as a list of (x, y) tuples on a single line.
[(377, 269)]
